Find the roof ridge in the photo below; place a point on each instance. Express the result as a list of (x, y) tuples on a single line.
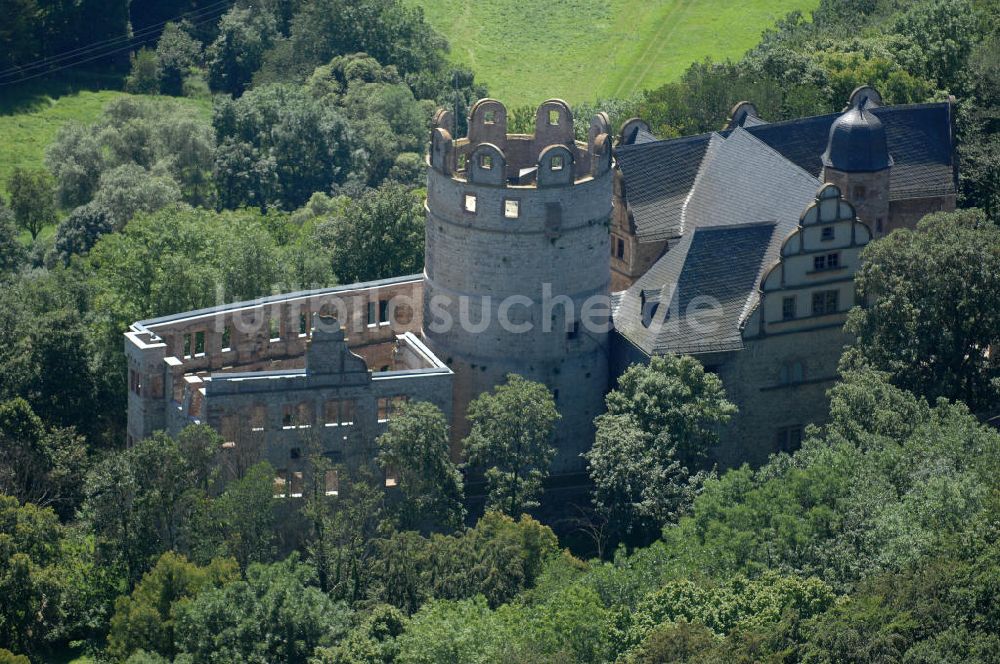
[(714, 141)]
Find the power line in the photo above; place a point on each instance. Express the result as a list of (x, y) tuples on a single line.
[(110, 46)]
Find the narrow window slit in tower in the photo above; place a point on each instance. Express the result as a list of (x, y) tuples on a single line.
[(470, 203)]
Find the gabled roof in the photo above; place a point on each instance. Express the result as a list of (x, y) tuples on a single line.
[(745, 199), (656, 173)]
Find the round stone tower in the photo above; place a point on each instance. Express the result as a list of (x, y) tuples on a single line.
[(517, 262), (857, 160)]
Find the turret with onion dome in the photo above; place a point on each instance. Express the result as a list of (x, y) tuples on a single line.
[(857, 143)]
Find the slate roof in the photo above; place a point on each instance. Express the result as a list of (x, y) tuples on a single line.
[(744, 201), (657, 173)]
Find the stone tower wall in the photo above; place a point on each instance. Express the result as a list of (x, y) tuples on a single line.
[(535, 270)]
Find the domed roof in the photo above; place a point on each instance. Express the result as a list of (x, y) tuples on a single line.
[(857, 143)]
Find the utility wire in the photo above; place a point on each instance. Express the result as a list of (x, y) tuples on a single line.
[(144, 36)]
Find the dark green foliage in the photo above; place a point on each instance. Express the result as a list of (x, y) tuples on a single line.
[(32, 199), (37, 465), (379, 235), (416, 449), (238, 51), (933, 295), (177, 54), (511, 440), (145, 619), (12, 252), (277, 614), (305, 140), (79, 232)]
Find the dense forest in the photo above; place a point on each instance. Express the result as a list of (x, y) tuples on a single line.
[(878, 540)]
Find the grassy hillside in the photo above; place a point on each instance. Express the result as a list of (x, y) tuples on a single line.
[(25, 132), (527, 51)]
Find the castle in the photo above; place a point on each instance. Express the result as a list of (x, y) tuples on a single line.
[(565, 261)]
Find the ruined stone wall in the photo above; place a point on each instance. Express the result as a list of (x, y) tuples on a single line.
[(168, 356)]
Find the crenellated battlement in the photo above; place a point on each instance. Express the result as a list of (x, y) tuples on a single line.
[(550, 157)]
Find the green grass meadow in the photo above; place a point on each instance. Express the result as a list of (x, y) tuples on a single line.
[(580, 50)]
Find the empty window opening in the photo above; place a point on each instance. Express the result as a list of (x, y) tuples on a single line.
[(470, 203), (824, 302), (275, 327), (187, 346), (462, 161), (553, 117), (489, 117), (486, 162), (295, 453), (788, 308), (557, 163), (199, 343), (391, 476), (339, 412), (331, 483), (296, 482), (383, 409), (303, 324), (258, 417), (227, 339), (383, 312), (281, 483), (511, 209)]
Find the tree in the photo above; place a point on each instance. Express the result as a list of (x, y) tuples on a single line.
[(933, 308), (30, 538), (38, 465), (79, 232), (415, 449), (244, 515), (380, 235), (511, 438), (278, 614), (76, 160), (145, 619), (129, 189), (674, 396), (237, 53), (639, 484), (307, 141), (12, 253), (32, 198), (145, 73), (177, 52)]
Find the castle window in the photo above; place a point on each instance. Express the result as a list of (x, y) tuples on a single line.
[(295, 453), (511, 209), (859, 193), (620, 248), (790, 374), (462, 160), (788, 308), (557, 163), (391, 476), (788, 439), (281, 483), (339, 412), (827, 233), (826, 262), (489, 117), (470, 203), (295, 484), (553, 117), (187, 346), (486, 162), (199, 343), (824, 302), (303, 324), (258, 417), (227, 339), (383, 409), (275, 329), (331, 482)]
